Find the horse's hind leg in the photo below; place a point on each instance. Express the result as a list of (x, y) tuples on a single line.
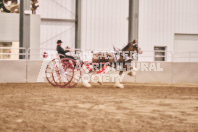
[(96, 79), (99, 82), (117, 81), (133, 70)]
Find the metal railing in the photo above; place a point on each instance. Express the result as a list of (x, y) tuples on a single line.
[(9, 53), (46, 54), (170, 56)]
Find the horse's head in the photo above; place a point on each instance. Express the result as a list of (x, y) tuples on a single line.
[(133, 46), (136, 47)]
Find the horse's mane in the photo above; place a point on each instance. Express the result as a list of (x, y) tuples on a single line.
[(126, 47)]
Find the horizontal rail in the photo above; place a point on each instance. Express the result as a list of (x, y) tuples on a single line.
[(52, 52)]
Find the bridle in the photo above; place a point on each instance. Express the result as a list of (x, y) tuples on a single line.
[(135, 46)]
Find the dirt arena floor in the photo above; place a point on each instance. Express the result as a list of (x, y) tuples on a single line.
[(41, 107)]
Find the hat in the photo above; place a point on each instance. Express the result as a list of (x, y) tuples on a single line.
[(59, 41)]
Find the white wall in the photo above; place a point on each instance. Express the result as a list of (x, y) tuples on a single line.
[(57, 9), (9, 27), (53, 30), (34, 71), (35, 23), (159, 20), (13, 71), (104, 24), (186, 45)]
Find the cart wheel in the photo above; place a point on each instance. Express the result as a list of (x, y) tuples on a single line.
[(77, 72), (49, 72), (63, 73)]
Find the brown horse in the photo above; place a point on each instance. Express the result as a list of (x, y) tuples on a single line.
[(120, 59)]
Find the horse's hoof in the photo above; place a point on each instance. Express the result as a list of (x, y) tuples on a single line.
[(86, 84), (100, 83), (119, 85), (132, 73)]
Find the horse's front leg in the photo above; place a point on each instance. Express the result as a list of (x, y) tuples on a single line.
[(117, 80), (92, 77), (87, 75), (96, 78)]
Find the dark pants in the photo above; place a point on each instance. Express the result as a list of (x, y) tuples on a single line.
[(71, 57), (67, 56)]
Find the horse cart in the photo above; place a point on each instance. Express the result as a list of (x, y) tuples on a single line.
[(67, 72)]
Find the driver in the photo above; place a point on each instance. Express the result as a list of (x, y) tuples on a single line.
[(63, 52)]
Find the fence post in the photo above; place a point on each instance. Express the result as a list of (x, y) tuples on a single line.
[(189, 56)]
